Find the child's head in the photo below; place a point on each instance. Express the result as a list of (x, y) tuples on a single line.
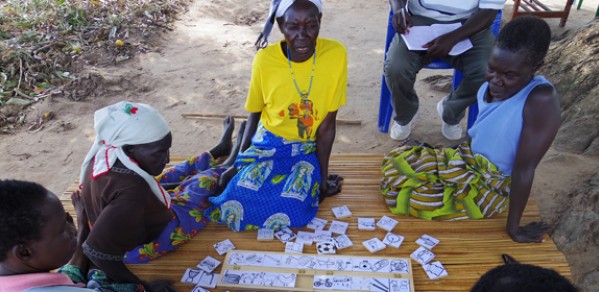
[(36, 234), (526, 35), (516, 277)]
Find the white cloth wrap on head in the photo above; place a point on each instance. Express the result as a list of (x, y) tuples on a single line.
[(278, 9), (120, 124), (285, 4)]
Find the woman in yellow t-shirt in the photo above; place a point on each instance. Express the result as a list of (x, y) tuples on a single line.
[(297, 86)]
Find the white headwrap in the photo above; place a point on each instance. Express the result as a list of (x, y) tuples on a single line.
[(277, 9), (120, 124)]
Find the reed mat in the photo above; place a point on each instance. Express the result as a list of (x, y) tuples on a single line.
[(467, 248)]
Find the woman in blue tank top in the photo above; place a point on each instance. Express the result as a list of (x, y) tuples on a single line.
[(492, 169)]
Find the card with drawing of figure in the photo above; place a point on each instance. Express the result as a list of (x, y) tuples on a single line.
[(284, 280), (317, 223), (392, 239), (265, 234), (399, 266), (304, 237), (387, 223), (285, 235), (375, 265), (435, 270), (427, 241), (209, 264), (422, 255), (366, 224), (374, 244), (322, 235), (297, 261), (399, 285), (323, 282), (341, 212), (338, 227), (294, 247), (191, 276), (342, 241), (224, 246)]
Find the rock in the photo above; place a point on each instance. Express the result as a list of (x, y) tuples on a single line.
[(572, 65)]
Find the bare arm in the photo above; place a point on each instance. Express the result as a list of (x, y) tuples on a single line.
[(325, 136), (79, 259), (541, 122), (478, 22)]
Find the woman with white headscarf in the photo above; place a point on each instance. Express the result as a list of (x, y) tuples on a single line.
[(132, 218), (297, 86)]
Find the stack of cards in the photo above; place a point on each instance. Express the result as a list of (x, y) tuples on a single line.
[(373, 245), (265, 234), (341, 212)]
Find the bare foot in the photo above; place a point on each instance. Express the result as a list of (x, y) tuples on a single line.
[(223, 148)]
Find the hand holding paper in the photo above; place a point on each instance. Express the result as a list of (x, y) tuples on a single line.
[(435, 40)]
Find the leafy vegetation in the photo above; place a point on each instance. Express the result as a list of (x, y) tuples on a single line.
[(42, 40)]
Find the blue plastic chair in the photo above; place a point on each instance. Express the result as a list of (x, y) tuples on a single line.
[(385, 108)]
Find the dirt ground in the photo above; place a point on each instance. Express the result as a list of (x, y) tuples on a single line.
[(203, 66)]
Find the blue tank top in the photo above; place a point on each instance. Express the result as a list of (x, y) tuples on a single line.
[(496, 132)]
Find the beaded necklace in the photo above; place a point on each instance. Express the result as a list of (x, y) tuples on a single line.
[(303, 95)]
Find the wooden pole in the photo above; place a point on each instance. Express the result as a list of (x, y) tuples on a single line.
[(221, 116)]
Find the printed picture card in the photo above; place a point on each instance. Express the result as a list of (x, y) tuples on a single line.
[(342, 241), (422, 255), (435, 270), (338, 227), (224, 246), (427, 241), (341, 212), (209, 264), (305, 237), (294, 247), (387, 223), (325, 247), (317, 224), (322, 235), (265, 234), (285, 235), (394, 240), (366, 224), (373, 245)]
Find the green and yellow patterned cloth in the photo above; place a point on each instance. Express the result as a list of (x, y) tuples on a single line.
[(443, 184)]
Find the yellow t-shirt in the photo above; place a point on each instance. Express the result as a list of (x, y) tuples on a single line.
[(273, 92)]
